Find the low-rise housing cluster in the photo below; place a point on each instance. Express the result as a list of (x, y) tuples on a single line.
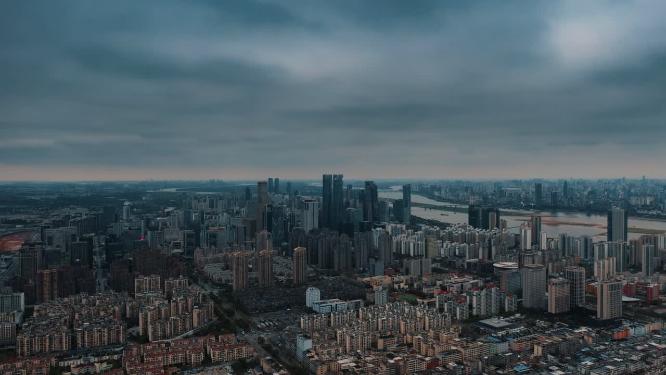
[(154, 357), (75, 322)]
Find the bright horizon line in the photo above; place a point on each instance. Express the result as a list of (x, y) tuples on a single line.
[(18, 173), (348, 178)]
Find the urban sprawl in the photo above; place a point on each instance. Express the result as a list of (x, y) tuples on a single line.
[(333, 277)]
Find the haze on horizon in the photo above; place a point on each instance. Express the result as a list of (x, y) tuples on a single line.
[(243, 89)]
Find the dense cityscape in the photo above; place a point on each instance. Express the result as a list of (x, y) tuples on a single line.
[(332, 187), (333, 276)]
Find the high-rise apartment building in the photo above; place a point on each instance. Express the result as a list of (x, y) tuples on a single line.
[(559, 296), (609, 300), (647, 263), (298, 266), (384, 246), (265, 268), (12, 302), (7, 333), (381, 296), (264, 241), (147, 284), (127, 211), (239, 265), (312, 295), (172, 284), (605, 268), (47, 285), (576, 277)]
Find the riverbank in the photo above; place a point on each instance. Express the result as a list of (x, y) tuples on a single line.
[(519, 211)]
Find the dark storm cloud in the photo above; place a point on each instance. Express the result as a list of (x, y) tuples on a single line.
[(421, 88)]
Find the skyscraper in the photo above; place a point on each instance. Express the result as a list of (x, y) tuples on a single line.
[(127, 211), (538, 194), (310, 215), (617, 224), (47, 285), (407, 204), (525, 237), (535, 224), (384, 246), (338, 200), (559, 298), (370, 202), (483, 217), (332, 201), (398, 210), (239, 266), (647, 263), (326, 200), (474, 216), (576, 277), (265, 268), (298, 266), (29, 257), (554, 199), (609, 300), (262, 202), (534, 286), (264, 241), (509, 276)]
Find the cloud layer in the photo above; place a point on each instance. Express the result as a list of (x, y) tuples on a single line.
[(243, 89)]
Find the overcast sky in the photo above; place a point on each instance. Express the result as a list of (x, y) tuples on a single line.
[(244, 89)]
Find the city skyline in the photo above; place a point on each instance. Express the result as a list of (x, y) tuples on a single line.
[(425, 90), (333, 187)]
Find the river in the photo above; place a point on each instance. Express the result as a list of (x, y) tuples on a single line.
[(552, 222)]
